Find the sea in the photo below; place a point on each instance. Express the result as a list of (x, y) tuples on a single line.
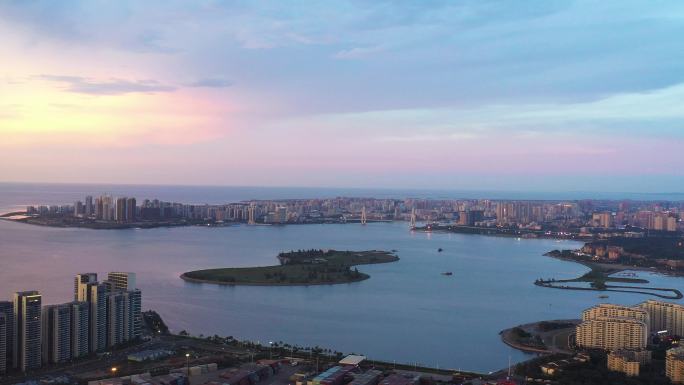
[(408, 311)]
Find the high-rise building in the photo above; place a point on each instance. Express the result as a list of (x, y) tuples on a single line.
[(56, 330), (128, 302), (120, 211), (628, 361), (3, 343), (81, 282), (79, 329), (281, 214), (97, 325), (122, 280), (116, 318), (674, 365), (27, 323), (7, 308), (671, 224), (615, 311), (79, 209), (107, 207), (130, 209), (99, 208), (665, 317), (89, 208), (134, 321), (612, 333)]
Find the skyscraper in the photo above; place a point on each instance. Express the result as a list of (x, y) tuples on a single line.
[(120, 211), (7, 308), (79, 329), (79, 209), (3, 343), (89, 208), (56, 330), (116, 318), (130, 210), (81, 282), (665, 317), (107, 207), (99, 208), (674, 365), (97, 323), (27, 322), (131, 311), (133, 325), (122, 280)]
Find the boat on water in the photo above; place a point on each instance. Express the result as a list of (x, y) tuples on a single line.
[(603, 296), (440, 250), (447, 273)]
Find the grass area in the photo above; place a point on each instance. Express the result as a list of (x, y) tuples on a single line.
[(314, 267), (521, 337)]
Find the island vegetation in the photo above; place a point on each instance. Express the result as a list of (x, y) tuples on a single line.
[(544, 337), (302, 267)]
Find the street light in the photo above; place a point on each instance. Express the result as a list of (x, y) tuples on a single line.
[(270, 350), (187, 364), (114, 369)]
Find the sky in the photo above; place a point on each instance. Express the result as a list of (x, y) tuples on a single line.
[(487, 95)]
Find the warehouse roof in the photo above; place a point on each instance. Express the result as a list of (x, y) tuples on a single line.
[(352, 360)]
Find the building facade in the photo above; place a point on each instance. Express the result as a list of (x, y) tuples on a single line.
[(612, 333), (674, 365), (27, 322), (97, 324), (122, 280), (56, 330), (3, 343), (628, 362), (80, 315), (7, 309), (665, 317), (81, 282), (605, 310)]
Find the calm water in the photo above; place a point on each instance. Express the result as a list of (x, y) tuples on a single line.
[(407, 311)]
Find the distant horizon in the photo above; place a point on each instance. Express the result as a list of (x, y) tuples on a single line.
[(406, 191)]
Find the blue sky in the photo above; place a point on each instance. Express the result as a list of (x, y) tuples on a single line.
[(448, 94)]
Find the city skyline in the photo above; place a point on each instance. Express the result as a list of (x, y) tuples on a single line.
[(469, 95)]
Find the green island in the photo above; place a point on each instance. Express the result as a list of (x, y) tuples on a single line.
[(601, 275), (302, 267)]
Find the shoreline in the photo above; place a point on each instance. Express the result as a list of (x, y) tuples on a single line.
[(185, 278), (94, 225), (497, 232)]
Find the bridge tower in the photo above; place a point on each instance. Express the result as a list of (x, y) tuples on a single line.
[(412, 225), (363, 215)]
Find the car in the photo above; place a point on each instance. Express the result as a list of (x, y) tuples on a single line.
[(294, 363)]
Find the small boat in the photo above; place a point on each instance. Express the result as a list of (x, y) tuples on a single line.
[(447, 273), (603, 296), (440, 250)]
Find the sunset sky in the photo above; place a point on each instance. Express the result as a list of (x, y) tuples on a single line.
[(508, 95)]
